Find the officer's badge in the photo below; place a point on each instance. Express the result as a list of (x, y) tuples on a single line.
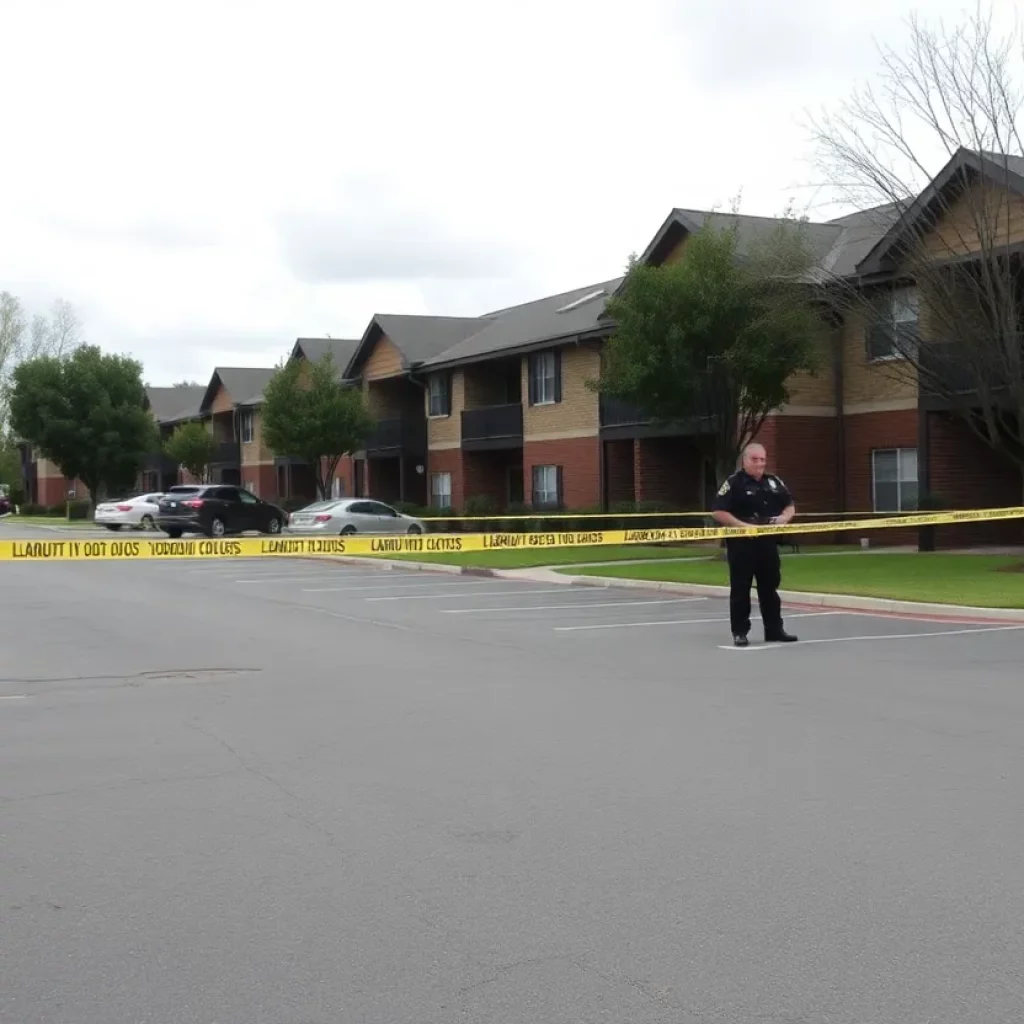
[(772, 484), (724, 489)]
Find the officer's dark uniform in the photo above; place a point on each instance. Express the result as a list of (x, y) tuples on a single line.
[(754, 558)]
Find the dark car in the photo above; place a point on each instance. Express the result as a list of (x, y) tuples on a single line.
[(6, 505), (216, 510)]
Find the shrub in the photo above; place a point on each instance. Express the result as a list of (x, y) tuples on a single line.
[(78, 509)]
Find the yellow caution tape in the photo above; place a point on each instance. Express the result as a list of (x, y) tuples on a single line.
[(413, 544)]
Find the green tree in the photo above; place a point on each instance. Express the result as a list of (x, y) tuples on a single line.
[(712, 339), (194, 447), (87, 413), (310, 413)]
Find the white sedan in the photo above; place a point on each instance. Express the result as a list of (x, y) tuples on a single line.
[(138, 512), (345, 516)]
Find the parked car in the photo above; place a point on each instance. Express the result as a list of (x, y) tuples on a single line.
[(6, 505), (136, 512), (216, 510), (352, 515)]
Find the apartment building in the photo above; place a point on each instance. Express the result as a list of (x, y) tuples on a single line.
[(509, 415), (170, 407)]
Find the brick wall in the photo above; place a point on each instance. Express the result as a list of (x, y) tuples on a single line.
[(261, 479), (579, 458), (619, 471), (668, 470), (447, 460), (967, 473), (486, 474), (804, 455)]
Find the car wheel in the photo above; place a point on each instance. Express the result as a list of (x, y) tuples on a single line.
[(112, 526), (173, 532), (146, 522), (415, 528), (217, 528), (274, 526), (347, 531)]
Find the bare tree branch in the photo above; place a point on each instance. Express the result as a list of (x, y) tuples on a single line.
[(954, 93)]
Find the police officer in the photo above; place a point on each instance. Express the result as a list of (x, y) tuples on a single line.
[(753, 497)]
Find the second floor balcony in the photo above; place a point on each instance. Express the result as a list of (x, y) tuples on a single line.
[(493, 427), (621, 421), (227, 453), (947, 375), (398, 434)]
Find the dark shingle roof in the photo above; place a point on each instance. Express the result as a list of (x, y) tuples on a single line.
[(172, 404), (341, 349), (421, 338), (555, 316), (244, 384)]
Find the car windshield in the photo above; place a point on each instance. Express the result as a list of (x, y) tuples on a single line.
[(183, 489)]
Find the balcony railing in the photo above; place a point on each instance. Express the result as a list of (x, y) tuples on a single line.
[(616, 413), (493, 425), (945, 374), (622, 420), (398, 433), (227, 452), (158, 462)]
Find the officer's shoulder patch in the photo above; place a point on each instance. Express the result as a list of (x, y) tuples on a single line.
[(724, 489)]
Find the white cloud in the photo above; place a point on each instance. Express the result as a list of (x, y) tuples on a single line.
[(209, 181)]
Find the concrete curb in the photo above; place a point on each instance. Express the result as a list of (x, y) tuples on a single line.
[(808, 599), (791, 598)]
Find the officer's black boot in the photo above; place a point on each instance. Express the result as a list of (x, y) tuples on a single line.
[(740, 639), (779, 636)]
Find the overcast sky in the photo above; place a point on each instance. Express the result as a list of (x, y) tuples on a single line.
[(207, 181)]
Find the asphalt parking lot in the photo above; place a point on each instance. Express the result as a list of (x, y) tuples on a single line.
[(301, 793)]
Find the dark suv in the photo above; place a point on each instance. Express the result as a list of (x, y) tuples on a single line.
[(216, 510)]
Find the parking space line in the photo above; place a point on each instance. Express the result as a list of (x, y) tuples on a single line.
[(557, 607), (15, 696), (324, 574), (877, 636), (681, 622), (474, 595), (391, 586)]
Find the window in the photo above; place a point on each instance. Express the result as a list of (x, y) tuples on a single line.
[(439, 395), (337, 487), (547, 486), (894, 479), (894, 333), (247, 498), (545, 378), (245, 419), (440, 490)]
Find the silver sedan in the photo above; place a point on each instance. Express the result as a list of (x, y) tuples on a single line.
[(352, 515)]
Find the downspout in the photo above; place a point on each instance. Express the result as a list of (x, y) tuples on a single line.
[(838, 346)]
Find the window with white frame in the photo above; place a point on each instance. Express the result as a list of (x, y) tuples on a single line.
[(439, 395), (337, 487), (245, 425), (544, 378), (440, 490), (546, 480), (894, 479), (894, 333)]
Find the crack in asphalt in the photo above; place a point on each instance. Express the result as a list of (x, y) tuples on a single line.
[(294, 799)]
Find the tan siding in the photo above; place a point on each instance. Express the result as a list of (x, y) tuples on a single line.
[(222, 401), (578, 414), (985, 211), (385, 360), (817, 389), (256, 451), (675, 254), (865, 381), (446, 431)]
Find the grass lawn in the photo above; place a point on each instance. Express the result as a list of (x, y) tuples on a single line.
[(44, 521), (980, 580), (526, 558)]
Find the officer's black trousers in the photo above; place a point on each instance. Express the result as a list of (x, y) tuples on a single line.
[(753, 560)]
